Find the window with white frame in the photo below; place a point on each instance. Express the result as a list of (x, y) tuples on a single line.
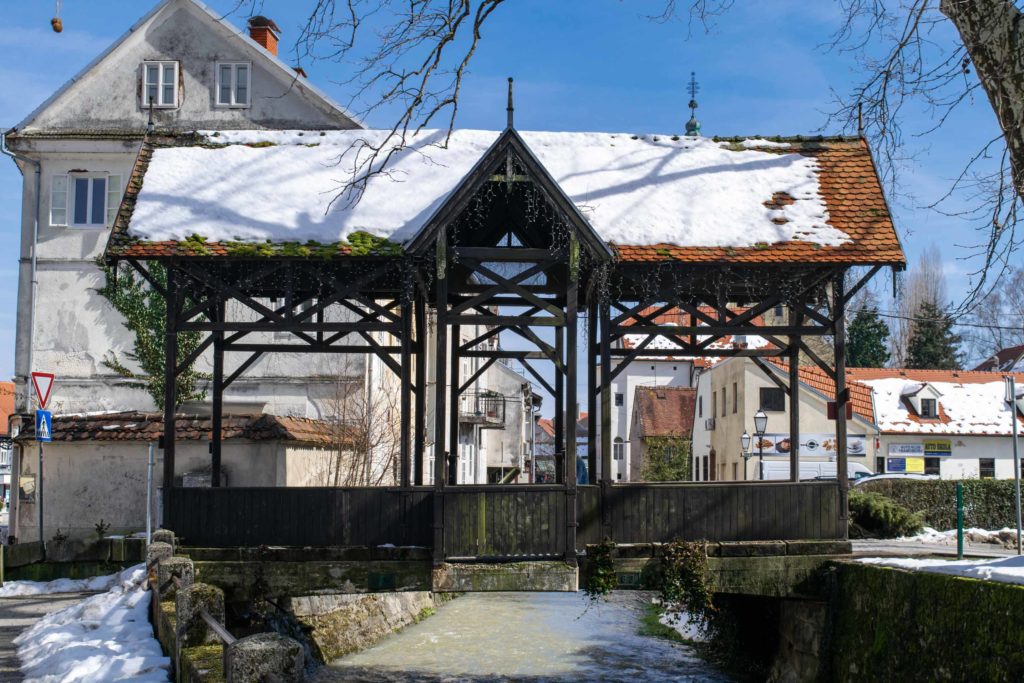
[(233, 79), (84, 200), (618, 449), (160, 84)]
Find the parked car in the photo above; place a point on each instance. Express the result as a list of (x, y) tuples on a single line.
[(779, 471)]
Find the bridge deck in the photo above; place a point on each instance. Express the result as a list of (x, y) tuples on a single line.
[(497, 522)]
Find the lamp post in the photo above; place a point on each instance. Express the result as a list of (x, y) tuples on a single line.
[(1011, 398), (745, 445), (760, 426)]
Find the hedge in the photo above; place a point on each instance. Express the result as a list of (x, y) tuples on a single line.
[(988, 503)]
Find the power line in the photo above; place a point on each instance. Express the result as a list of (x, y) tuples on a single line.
[(897, 316)]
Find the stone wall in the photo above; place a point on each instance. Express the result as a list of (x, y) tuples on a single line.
[(894, 625), (337, 625)]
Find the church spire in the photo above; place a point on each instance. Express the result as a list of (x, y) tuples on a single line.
[(693, 125)]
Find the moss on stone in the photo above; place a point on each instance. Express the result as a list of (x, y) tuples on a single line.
[(203, 663), (651, 626)]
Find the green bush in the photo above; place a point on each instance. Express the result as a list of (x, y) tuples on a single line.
[(876, 515), (988, 503)]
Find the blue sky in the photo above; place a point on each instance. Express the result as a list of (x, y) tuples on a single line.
[(578, 65)]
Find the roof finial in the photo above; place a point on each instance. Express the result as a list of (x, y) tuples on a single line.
[(511, 109), (693, 125)]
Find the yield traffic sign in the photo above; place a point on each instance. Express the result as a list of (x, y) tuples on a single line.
[(43, 383)]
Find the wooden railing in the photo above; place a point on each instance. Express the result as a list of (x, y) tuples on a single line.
[(505, 521)]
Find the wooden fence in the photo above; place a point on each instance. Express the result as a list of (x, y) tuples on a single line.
[(518, 521)]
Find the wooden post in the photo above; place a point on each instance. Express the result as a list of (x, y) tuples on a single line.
[(405, 399), (795, 319), (606, 390), (419, 435), (560, 409), (453, 411), (217, 418), (592, 418), (440, 367), (170, 395), (842, 395), (571, 304)]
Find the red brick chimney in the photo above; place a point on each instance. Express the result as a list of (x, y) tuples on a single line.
[(265, 32)]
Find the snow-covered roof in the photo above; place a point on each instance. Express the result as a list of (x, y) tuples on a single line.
[(643, 191), (632, 190), (971, 403)]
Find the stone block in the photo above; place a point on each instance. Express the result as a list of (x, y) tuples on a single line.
[(180, 567), (164, 536), (158, 552), (752, 549), (265, 656), (191, 628), (819, 547), (512, 576)]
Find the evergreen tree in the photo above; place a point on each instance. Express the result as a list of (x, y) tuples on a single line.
[(867, 338), (145, 314), (933, 345)]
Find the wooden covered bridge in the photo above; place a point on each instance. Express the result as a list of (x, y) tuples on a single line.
[(527, 234)]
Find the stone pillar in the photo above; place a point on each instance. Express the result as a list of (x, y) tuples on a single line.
[(180, 567), (158, 552), (191, 629), (164, 536), (264, 656)]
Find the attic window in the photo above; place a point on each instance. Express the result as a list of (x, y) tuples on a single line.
[(929, 408), (160, 84), (233, 81)]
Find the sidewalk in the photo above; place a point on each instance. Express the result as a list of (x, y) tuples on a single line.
[(16, 615), (888, 547)]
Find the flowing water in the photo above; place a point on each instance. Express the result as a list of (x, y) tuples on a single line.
[(536, 637)]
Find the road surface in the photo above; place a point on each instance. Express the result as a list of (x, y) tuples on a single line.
[(16, 615)]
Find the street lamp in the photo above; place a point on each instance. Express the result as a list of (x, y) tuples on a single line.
[(1011, 398), (760, 425), (745, 445)]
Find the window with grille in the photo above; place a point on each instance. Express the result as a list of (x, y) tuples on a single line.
[(987, 468), (160, 84), (233, 82)]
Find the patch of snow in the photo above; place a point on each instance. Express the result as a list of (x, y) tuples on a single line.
[(13, 589), (1004, 570), (754, 143), (971, 407), (1004, 536), (633, 190), (107, 637), (685, 626)]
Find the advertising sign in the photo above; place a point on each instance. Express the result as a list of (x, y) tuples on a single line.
[(914, 450), (810, 444), (915, 465), (895, 464), (938, 447)]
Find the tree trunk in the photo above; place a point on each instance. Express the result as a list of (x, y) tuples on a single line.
[(993, 33)]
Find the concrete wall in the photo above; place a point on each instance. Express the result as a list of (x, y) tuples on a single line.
[(84, 481)]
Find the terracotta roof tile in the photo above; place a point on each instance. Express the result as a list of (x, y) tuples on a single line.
[(138, 426), (665, 411)]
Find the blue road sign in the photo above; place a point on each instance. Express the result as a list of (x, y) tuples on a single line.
[(44, 425)]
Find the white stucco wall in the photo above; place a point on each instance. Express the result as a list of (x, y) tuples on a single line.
[(966, 451), (643, 372)]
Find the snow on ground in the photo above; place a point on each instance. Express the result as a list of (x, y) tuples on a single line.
[(1004, 536), (106, 637), (1005, 570), (13, 589), (638, 190)]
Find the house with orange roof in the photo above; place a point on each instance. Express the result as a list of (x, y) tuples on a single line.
[(952, 424)]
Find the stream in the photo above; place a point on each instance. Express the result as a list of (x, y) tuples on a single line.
[(537, 637)]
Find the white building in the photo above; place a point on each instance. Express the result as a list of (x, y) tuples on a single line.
[(75, 152), (955, 424)]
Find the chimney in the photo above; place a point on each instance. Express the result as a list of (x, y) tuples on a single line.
[(265, 32)]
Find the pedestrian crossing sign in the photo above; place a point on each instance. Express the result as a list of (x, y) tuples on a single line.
[(44, 425)]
